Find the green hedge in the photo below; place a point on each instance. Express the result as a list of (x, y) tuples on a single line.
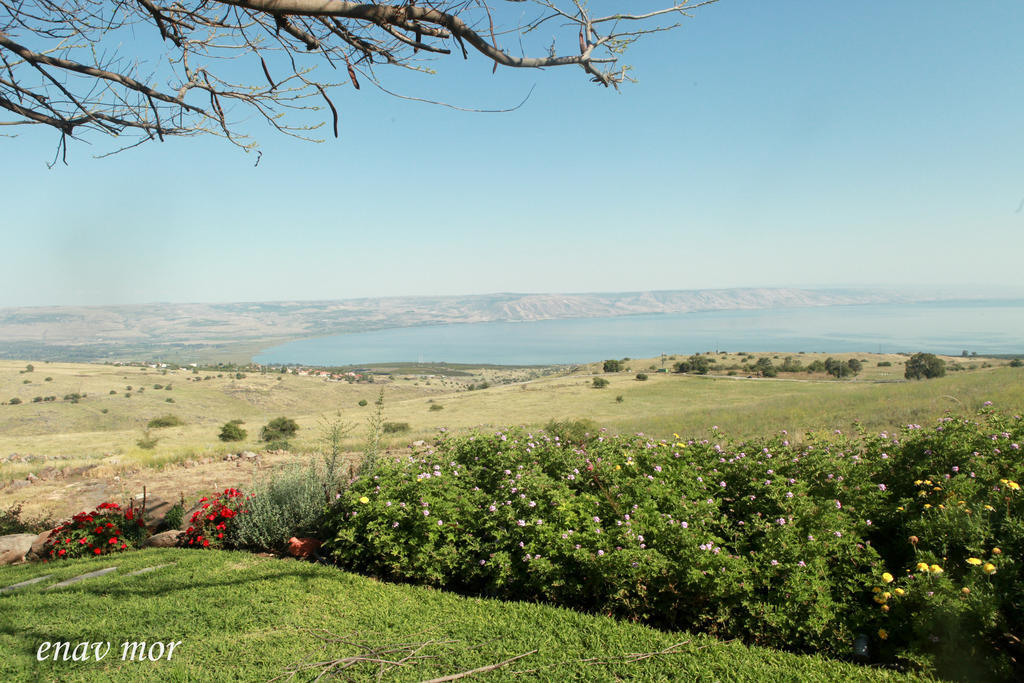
[(800, 546)]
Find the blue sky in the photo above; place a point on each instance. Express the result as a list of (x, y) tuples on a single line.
[(801, 143)]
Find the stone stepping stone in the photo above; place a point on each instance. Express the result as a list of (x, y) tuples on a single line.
[(16, 586), (148, 569), (82, 577)]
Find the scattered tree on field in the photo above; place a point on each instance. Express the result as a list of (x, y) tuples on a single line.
[(924, 366), (279, 429), (232, 431), (697, 364), (765, 368), (612, 365)]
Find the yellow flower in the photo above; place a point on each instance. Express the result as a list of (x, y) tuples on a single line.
[(935, 569), (973, 560), (364, 500), (900, 508), (926, 506), (882, 634), (886, 595), (675, 435), (927, 482), (876, 589), (989, 568), (618, 467), (965, 590), (899, 591), (922, 566), (917, 482), (942, 507), (937, 488), (922, 494), (989, 508), (1014, 486), (996, 551), (885, 608), (880, 599), (887, 577)]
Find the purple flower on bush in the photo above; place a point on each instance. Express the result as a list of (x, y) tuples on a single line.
[(521, 522), (684, 525), (597, 520)]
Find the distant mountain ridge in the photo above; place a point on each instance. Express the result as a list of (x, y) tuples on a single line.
[(162, 324)]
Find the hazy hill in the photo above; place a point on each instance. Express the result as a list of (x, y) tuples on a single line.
[(96, 332)]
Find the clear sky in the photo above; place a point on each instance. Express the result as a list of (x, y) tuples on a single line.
[(794, 143)]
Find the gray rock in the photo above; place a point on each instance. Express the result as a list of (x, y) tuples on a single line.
[(166, 539), (14, 547), (38, 546)]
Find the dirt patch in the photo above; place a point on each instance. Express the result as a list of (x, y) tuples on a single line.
[(60, 499)]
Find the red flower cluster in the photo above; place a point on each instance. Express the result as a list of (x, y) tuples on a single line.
[(210, 522), (105, 530)]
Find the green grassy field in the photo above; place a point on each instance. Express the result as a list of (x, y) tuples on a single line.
[(107, 424), (244, 617)]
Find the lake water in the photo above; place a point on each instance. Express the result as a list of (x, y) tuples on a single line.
[(943, 327)]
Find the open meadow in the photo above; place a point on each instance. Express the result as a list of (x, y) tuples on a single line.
[(99, 443)]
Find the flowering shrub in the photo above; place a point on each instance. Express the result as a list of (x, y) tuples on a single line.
[(211, 524), (105, 530), (803, 546)]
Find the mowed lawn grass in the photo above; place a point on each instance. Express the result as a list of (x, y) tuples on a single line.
[(660, 406), (244, 617)]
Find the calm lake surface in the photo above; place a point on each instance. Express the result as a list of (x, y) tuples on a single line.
[(944, 327)]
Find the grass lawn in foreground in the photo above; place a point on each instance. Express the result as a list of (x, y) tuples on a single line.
[(245, 617)]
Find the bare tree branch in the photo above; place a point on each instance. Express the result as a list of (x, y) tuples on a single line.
[(153, 69)]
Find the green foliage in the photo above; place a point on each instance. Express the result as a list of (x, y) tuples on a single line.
[(362, 403), (612, 365), (924, 366), (395, 427), (14, 401), (884, 364), (1016, 363), (165, 421), (641, 377), (106, 530), (434, 407), (619, 399), (30, 368), (600, 383), (768, 541), (231, 431), (279, 429), (288, 503)]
